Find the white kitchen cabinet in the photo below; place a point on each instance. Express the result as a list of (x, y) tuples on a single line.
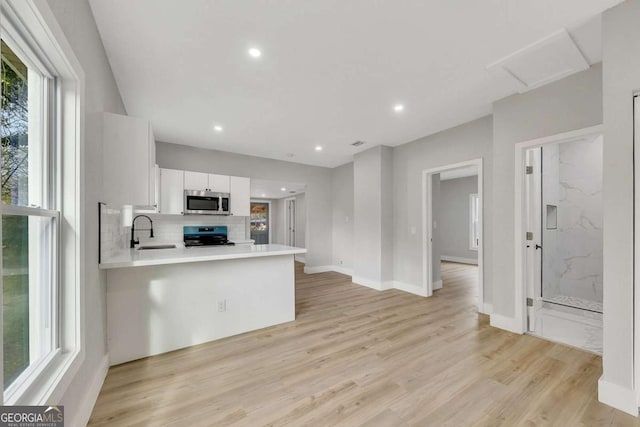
[(196, 180), (240, 189), (128, 160), (171, 191), (219, 183)]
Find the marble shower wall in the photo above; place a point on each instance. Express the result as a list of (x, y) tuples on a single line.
[(572, 181)]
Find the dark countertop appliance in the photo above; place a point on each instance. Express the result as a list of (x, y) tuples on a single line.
[(205, 235)]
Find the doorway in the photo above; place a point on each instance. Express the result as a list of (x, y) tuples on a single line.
[(463, 223), (290, 221), (261, 222), (562, 253)]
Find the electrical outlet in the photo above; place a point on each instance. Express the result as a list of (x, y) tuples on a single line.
[(222, 305)]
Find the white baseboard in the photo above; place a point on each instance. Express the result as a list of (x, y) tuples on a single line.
[(408, 287), (301, 258), (342, 270), (318, 269), (85, 408), (373, 284), (437, 285), (619, 397), (507, 323), (486, 308), (459, 260)]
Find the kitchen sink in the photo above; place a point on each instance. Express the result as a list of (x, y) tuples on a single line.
[(149, 247)]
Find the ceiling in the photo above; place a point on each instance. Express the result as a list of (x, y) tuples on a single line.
[(330, 71), (265, 189), (459, 173)]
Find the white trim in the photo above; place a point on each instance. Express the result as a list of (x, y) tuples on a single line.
[(427, 234), (85, 408), (619, 397), (410, 288), (318, 269), (373, 284), (38, 24), (437, 285), (301, 258), (459, 260), (342, 270), (636, 246), (519, 223), (510, 324), (487, 308), (472, 241), (286, 222)]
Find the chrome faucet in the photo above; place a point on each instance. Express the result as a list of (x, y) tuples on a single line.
[(134, 242)]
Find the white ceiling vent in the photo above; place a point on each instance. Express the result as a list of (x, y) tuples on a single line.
[(542, 62)]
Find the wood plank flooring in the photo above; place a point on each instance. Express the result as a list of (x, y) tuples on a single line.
[(355, 356)]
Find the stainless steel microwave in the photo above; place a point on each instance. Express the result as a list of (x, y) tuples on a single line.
[(198, 202)]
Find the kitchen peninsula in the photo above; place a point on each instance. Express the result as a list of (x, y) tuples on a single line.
[(165, 299)]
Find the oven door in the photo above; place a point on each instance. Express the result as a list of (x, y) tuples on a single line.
[(201, 204)]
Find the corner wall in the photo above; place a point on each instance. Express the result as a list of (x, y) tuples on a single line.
[(621, 78), (342, 214)]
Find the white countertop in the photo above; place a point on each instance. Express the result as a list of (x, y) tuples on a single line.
[(136, 258)]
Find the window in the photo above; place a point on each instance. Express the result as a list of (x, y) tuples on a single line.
[(41, 182), (474, 222), (29, 219)]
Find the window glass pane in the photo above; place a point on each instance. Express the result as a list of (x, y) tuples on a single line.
[(15, 129), (27, 292)]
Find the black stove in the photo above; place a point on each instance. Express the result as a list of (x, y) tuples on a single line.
[(209, 235)]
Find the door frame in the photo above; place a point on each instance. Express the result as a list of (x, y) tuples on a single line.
[(286, 222), (269, 215), (520, 300), (427, 221)]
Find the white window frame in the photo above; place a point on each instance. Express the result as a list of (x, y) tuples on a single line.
[(32, 26), (474, 238)]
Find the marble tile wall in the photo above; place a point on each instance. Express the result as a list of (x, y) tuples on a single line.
[(113, 236), (572, 258)]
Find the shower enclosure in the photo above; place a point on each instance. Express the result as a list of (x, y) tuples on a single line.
[(571, 224)]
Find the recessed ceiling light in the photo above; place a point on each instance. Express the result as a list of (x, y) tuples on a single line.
[(398, 108), (264, 195), (254, 52), (218, 128), (283, 189), (318, 147)]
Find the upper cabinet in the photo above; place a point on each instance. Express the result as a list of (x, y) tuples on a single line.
[(171, 191), (128, 160), (240, 195), (196, 180), (206, 181), (219, 183)]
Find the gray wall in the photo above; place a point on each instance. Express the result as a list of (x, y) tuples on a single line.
[(569, 104), (465, 142), (101, 94), (373, 217), (317, 197), (301, 221), (454, 214), (621, 77), (342, 190)]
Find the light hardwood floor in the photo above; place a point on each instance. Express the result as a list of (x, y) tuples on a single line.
[(355, 356)]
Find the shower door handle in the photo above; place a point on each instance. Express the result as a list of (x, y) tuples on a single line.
[(538, 246)]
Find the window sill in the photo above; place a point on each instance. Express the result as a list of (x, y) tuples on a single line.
[(47, 382)]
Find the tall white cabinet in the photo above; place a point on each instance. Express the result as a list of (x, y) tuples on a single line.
[(171, 191), (128, 160)]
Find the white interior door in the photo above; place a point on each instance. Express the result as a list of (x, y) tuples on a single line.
[(533, 250), (290, 222)]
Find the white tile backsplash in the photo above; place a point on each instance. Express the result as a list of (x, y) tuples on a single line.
[(168, 228), (113, 236)]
